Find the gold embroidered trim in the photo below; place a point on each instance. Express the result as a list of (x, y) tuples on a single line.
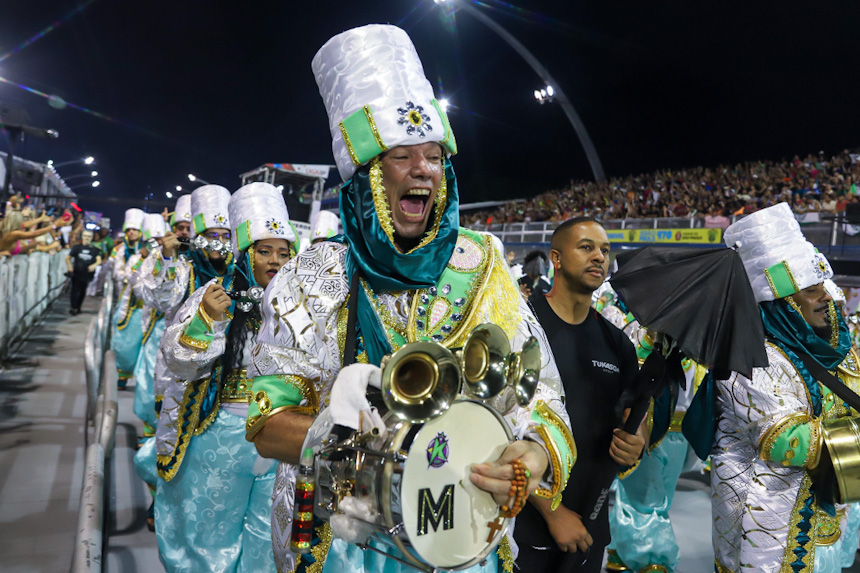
[(184, 438), (720, 568), (551, 417), (834, 324), (554, 459), (238, 387), (373, 128), (204, 316), (677, 420), (380, 199), (768, 440), (193, 343), (829, 529), (321, 549), (348, 144), (793, 532), (255, 423), (506, 556)]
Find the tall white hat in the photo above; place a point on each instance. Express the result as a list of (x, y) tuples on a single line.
[(209, 208), (376, 95), (133, 219), (777, 257), (325, 225), (182, 211), (258, 211), (834, 291), (153, 226)]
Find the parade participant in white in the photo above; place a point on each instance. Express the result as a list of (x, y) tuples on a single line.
[(210, 349), (128, 334), (422, 278), (768, 516)]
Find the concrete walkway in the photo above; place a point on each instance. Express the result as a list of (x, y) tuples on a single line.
[(42, 412)]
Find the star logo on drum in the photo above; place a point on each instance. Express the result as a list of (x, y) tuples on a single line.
[(437, 451)]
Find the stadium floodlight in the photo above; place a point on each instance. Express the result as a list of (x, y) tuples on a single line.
[(169, 195), (89, 160), (179, 188), (94, 173), (544, 95), (193, 178), (96, 183)]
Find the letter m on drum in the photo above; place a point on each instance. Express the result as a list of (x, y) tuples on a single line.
[(431, 512)]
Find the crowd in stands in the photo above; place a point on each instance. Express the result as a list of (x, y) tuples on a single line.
[(811, 184), (24, 229)]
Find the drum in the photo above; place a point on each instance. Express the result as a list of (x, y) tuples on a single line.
[(415, 480)]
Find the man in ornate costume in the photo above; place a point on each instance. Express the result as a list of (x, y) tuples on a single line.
[(208, 472), (768, 511), (128, 333), (417, 276)]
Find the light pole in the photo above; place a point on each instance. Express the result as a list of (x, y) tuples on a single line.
[(193, 178), (86, 161), (541, 71), (91, 174)]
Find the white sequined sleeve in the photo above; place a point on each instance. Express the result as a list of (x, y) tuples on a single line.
[(164, 283), (189, 353)]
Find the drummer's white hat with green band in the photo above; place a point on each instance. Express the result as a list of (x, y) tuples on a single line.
[(133, 219), (258, 212), (777, 257), (209, 208), (325, 225), (376, 96), (182, 213), (153, 226)]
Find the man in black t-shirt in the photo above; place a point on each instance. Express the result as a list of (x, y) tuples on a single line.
[(81, 264), (597, 363)]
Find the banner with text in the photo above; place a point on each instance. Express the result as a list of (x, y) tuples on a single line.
[(666, 236)]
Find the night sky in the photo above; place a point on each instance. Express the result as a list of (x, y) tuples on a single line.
[(219, 88)]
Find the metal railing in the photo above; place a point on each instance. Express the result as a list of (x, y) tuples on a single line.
[(102, 410), (28, 284)]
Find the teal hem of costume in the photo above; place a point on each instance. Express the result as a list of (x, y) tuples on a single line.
[(382, 265), (803, 539)]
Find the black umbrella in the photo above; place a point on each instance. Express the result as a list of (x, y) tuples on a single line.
[(701, 298)]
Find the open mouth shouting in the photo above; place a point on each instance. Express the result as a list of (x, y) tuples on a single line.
[(413, 204)]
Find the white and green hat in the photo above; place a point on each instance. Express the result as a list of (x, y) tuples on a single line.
[(209, 208), (133, 219), (777, 257), (836, 293), (153, 226), (325, 225), (258, 211), (377, 96), (182, 213)]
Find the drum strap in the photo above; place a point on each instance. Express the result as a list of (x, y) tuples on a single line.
[(351, 317), (833, 382)]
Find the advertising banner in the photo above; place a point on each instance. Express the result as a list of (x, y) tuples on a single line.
[(666, 236)]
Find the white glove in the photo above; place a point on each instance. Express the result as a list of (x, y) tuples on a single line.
[(349, 394)]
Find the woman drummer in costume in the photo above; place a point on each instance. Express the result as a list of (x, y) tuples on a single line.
[(214, 492), (422, 278), (128, 334)]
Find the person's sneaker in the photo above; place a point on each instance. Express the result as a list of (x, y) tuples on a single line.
[(72, 311)]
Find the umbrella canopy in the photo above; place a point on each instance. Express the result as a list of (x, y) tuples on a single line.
[(701, 298)]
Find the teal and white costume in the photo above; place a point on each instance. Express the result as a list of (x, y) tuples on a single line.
[(214, 490), (127, 335), (451, 282)]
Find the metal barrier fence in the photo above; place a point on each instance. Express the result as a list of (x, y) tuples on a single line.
[(102, 412), (28, 284)]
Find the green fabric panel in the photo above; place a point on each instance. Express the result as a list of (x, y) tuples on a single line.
[(642, 353), (157, 269), (361, 137), (782, 445), (243, 235), (199, 225), (198, 330), (451, 143), (560, 443), (280, 392), (781, 280), (173, 219)]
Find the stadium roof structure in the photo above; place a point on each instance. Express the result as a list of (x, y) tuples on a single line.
[(37, 180), (295, 177)]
